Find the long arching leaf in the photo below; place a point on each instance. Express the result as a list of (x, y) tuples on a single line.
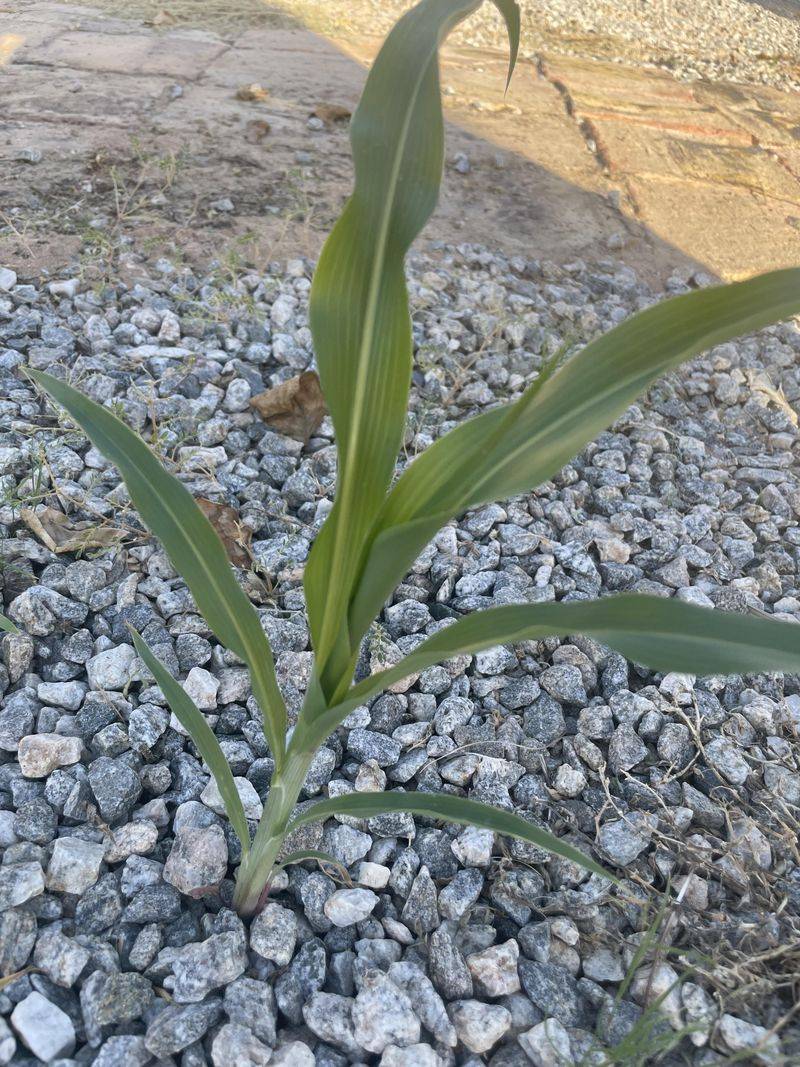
[(663, 634), (168, 509), (359, 304), (513, 448), (193, 721), (448, 808)]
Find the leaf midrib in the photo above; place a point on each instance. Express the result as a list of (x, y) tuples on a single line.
[(339, 548)]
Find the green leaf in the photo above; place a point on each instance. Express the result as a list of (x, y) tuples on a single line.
[(359, 304), (509, 9), (663, 634), (167, 509), (450, 809), (193, 721), (8, 625), (513, 448)]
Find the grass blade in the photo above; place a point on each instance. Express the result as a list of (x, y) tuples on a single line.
[(359, 304), (168, 509), (8, 626), (663, 634), (193, 721), (448, 808), (514, 448)]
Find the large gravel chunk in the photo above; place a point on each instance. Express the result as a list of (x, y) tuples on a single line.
[(252, 1004), (116, 787), (41, 611), (198, 860), (330, 1017), (547, 1044), (425, 1001), (60, 957), (274, 933), (383, 1015), (177, 1027), (112, 999), (17, 936), (412, 1056), (554, 991), (346, 907), (293, 1054), (43, 1027), (20, 882), (251, 802), (125, 1050), (479, 1026), (420, 911), (112, 669), (624, 839), (449, 971), (40, 754), (236, 1046), (74, 865), (726, 758), (200, 967), (495, 969)]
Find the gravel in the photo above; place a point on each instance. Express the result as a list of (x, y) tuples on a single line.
[(450, 945), (43, 1027), (759, 43)]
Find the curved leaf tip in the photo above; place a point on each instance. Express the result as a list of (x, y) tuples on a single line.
[(509, 9)]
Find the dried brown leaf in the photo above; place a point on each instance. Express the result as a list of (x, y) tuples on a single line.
[(60, 534), (295, 408), (234, 535), (253, 92)]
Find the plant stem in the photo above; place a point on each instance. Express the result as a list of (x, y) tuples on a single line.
[(257, 866)]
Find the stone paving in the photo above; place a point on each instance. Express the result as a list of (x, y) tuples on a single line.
[(115, 134)]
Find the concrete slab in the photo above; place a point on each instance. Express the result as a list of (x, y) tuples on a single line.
[(177, 56)]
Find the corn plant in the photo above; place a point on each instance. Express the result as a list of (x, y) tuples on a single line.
[(362, 337)]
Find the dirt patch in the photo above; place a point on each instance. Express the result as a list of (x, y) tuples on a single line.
[(127, 138)]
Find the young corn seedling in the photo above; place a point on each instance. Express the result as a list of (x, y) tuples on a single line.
[(362, 337)]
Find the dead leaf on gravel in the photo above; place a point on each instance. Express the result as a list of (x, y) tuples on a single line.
[(256, 131), (253, 92), (60, 534), (295, 408), (233, 534), (332, 114)]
